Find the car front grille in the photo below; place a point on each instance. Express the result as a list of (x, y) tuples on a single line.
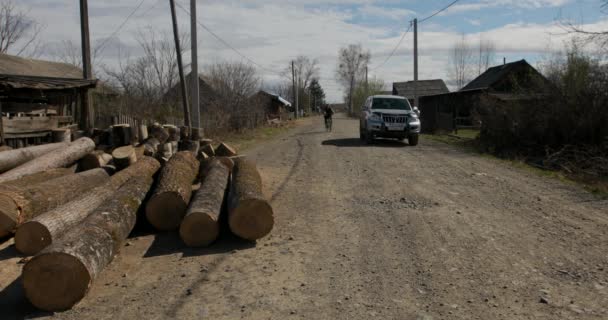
[(393, 119)]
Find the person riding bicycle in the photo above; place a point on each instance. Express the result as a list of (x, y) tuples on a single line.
[(328, 113)]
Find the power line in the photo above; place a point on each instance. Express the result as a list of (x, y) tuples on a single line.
[(439, 11), (225, 43), (100, 48), (395, 49)]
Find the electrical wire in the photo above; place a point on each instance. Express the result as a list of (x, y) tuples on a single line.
[(394, 50), (438, 12), (225, 43), (99, 49)]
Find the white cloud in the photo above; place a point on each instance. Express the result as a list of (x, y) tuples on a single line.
[(384, 12), (474, 22)]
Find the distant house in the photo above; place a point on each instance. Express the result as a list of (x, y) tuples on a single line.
[(499, 85), (420, 88), (275, 106), (208, 100), (36, 97)]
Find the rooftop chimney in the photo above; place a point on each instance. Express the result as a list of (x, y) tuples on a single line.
[(504, 61)]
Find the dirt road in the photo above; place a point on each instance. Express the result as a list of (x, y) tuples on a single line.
[(387, 232)]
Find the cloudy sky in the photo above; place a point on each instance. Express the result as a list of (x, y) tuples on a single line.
[(272, 32)]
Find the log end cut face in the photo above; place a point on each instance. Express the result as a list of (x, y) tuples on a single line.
[(55, 281), (199, 230), (252, 219), (31, 237), (166, 210)]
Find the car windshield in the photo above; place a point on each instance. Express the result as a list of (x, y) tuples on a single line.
[(391, 103)]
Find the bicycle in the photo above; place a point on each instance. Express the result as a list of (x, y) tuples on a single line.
[(328, 124)]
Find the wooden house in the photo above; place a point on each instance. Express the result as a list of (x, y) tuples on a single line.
[(37, 97)]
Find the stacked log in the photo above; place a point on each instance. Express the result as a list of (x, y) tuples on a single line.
[(19, 204), (250, 215), (151, 146), (184, 133), (158, 132), (34, 235), (196, 134), (208, 149), (93, 160), (5, 148), (121, 135), (37, 177), (167, 206), (173, 131), (205, 165), (61, 135), (61, 275), (58, 158), (13, 158), (124, 157), (224, 150), (143, 133), (189, 145), (200, 226)]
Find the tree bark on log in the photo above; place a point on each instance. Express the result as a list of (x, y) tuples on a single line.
[(5, 148), (250, 215), (37, 177), (189, 145), (196, 134), (151, 147), (143, 133), (173, 131), (18, 205), (34, 235), (13, 158), (95, 159), (224, 150), (61, 275), (205, 165), (121, 135), (208, 149), (184, 133), (158, 132), (62, 157), (200, 226), (61, 135), (124, 157), (167, 207)]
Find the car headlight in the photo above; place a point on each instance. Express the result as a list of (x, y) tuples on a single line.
[(414, 122), (375, 117)]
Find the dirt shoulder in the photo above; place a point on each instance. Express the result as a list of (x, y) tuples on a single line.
[(385, 231)]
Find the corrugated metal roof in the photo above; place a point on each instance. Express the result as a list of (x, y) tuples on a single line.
[(423, 88), (43, 83)]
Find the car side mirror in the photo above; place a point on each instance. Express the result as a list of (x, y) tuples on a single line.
[(417, 111)]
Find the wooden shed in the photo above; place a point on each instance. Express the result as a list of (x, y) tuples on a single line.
[(37, 97)]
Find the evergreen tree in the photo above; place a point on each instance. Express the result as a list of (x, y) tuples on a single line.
[(316, 94)]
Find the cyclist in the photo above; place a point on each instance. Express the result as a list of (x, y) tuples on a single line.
[(329, 112)]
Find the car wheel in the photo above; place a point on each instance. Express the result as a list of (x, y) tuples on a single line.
[(413, 140)]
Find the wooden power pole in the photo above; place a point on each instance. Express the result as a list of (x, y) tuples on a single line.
[(195, 105), (416, 62), (180, 65), (295, 94), (86, 119)]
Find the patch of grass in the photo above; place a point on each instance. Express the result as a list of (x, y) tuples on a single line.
[(248, 138), (596, 186), (467, 133)]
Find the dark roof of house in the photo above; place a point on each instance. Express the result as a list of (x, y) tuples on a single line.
[(276, 97), (21, 73), (424, 88), (206, 92), (495, 74)]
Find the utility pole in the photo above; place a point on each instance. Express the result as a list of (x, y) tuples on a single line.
[(295, 95), (180, 65), (86, 119), (195, 105), (416, 62), (298, 95), (366, 82)]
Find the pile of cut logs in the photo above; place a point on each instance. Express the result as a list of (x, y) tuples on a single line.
[(72, 205)]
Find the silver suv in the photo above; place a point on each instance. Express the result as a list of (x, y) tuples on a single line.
[(389, 117)]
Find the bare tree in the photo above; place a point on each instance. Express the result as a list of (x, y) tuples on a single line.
[(600, 38), (460, 63), (305, 69), (66, 51), (352, 61), (233, 81), (487, 55), (18, 33)]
